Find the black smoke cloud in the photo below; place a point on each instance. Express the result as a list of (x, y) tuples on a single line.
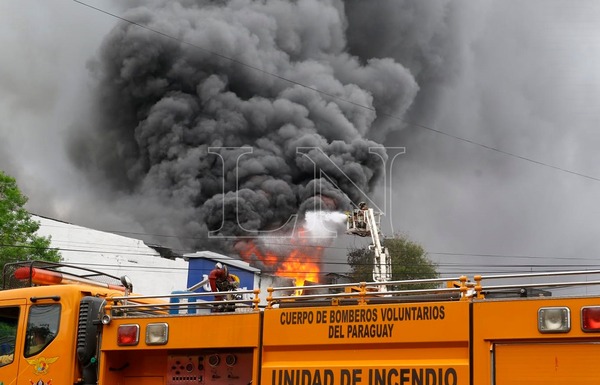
[(164, 105)]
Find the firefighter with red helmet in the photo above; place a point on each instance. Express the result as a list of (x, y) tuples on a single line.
[(220, 280)]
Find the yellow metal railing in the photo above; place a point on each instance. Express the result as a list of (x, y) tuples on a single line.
[(172, 303), (363, 292)]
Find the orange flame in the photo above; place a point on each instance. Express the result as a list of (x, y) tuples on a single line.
[(247, 249), (300, 264)]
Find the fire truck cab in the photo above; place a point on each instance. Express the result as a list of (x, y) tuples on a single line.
[(47, 333)]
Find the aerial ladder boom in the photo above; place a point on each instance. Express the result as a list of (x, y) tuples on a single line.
[(364, 222)]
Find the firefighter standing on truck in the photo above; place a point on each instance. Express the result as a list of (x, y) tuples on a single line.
[(220, 280)]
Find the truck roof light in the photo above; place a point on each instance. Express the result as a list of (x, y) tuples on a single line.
[(554, 320), (157, 334), (39, 276), (128, 335), (49, 277), (590, 318)]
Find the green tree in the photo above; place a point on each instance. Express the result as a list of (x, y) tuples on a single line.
[(409, 261), (361, 264), (18, 239)]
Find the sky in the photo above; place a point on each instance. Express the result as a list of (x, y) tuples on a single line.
[(106, 124)]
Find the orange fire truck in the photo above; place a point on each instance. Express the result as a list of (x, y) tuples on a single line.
[(65, 325)]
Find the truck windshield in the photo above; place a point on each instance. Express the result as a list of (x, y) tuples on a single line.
[(9, 318), (42, 327)]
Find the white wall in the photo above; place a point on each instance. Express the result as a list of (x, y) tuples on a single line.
[(116, 255)]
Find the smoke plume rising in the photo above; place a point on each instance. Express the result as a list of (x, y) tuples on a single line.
[(195, 134)]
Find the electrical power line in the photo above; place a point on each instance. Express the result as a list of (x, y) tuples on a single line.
[(114, 248), (278, 245), (333, 96), (519, 256), (463, 268), (281, 256)]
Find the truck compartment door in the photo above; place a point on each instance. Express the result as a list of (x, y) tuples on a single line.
[(573, 363)]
